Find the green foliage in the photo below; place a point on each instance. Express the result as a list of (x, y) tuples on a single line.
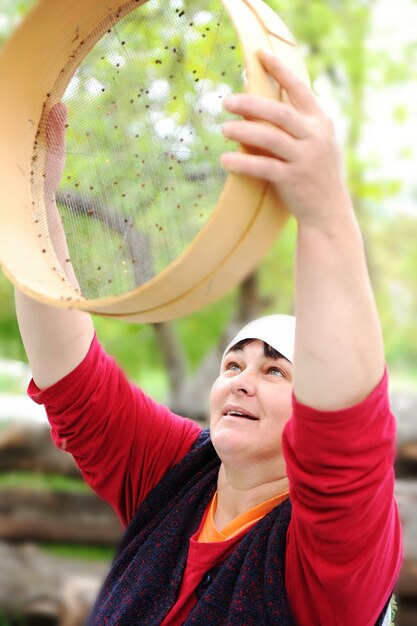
[(136, 348), (79, 553), (37, 480), (394, 609), (9, 385), (144, 140), (335, 35), (16, 620), (10, 343), (11, 14)]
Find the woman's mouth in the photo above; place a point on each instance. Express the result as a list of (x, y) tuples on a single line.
[(230, 411)]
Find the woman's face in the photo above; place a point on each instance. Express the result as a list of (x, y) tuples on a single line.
[(250, 403)]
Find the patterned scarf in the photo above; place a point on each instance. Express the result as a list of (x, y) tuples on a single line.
[(247, 589)]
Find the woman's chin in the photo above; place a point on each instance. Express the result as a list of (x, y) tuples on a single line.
[(229, 441)]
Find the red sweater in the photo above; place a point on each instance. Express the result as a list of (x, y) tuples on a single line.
[(344, 540)]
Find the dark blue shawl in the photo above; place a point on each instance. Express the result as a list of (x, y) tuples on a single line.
[(248, 589)]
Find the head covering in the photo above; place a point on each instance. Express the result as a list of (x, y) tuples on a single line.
[(276, 330)]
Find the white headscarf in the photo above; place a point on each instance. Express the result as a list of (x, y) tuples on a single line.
[(276, 330)]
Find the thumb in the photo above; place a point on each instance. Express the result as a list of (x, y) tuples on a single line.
[(55, 127)]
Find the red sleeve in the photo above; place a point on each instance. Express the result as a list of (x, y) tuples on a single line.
[(122, 440), (344, 546)]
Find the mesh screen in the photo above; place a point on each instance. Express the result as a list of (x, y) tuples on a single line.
[(142, 172)]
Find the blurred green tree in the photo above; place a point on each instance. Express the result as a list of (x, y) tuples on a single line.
[(166, 359)]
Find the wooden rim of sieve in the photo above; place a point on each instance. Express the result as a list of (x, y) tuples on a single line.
[(36, 66)]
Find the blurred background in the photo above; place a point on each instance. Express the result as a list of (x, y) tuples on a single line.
[(57, 539)]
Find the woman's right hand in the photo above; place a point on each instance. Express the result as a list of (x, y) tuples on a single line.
[(56, 149), (54, 168)]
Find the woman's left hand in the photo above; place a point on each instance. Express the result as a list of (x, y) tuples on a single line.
[(295, 150)]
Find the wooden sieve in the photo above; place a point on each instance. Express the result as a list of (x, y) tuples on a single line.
[(154, 227)]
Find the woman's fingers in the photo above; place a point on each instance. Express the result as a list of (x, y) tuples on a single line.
[(277, 113), (55, 127), (264, 137), (299, 94), (293, 146), (263, 167), (56, 149)]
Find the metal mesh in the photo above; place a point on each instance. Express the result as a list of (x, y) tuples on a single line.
[(142, 172)]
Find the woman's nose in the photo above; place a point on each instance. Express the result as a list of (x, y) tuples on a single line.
[(244, 383)]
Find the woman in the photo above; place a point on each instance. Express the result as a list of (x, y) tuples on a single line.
[(213, 537)]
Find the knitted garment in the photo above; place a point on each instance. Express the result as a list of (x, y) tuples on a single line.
[(247, 589)]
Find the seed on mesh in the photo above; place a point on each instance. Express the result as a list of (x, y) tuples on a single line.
[(165, 103)]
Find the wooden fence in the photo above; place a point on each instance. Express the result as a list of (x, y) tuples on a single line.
[(37, 583)]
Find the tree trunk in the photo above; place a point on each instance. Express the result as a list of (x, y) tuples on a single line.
[(189, 396), (57, 517), (35, 583), (29, 448)]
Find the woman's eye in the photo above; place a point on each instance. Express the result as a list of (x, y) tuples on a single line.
[(275, 371), (233, 367)]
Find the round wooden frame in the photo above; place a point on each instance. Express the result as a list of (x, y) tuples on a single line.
[(39, 61)]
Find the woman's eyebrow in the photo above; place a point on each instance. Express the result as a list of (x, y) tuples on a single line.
[(278, 359), (233, 351), (282, 362)]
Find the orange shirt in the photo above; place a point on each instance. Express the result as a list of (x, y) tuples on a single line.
[(210, 534), (210, 547)]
